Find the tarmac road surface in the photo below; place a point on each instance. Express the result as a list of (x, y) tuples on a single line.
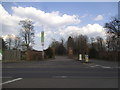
[(60, 72)]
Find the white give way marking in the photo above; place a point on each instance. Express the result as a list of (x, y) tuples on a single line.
[(11, 81), (93, 65), (59, 76)]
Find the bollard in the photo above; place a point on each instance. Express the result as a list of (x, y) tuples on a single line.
[(0, 54), (86, 58), (80, 57)]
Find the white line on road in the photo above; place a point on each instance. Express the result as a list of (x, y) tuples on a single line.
[(59, 76), (11, 81), (93, 65), (105, 67), (76, 77)]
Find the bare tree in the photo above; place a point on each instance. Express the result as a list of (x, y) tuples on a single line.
[(3, 44), (12, 41), (100, 44), (81, 44), (111, 44), (9, 41), (17, 43), (113, 27), (113, 30), (27, 33)]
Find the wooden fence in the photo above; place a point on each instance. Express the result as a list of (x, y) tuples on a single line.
[(11, 55)]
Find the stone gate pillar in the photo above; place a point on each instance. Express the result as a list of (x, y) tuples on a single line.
[(70, 52)]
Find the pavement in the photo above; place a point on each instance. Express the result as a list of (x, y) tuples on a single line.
[(60, 72)]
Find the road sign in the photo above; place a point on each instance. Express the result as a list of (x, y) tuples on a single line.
[(42, 37)]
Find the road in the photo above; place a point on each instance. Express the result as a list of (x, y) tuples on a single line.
[(60, 72)]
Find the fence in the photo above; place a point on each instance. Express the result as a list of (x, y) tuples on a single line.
[(11, 55), (23, 55), (33, 55)]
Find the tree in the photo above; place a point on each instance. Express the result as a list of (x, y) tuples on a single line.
[(13, 42), (27, 33), (54, 45), (93, 52), (92, 41), (61, 50), (3, 45), (113, 40), (113, 30), (17, 43), (113, 27), (111, 44), (59, 47), (9, 41), (81, 44), (49, 52), (95, 46), (100, 44)]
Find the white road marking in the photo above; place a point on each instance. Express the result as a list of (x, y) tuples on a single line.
[(83, 77), (97, 65), (105, 67), (93, 65), (59, 76), (11, 81)]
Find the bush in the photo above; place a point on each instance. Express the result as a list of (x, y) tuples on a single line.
[(111, 55), (61, 50), (93, 53), (49, 52)]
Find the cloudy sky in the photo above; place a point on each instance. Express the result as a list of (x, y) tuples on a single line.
[(57, 19)]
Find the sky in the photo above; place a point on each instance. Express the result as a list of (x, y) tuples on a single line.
[(57, 19)]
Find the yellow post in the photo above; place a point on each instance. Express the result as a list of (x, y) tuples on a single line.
[(86, 58)]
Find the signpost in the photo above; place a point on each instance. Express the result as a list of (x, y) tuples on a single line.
[(42, 43)]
